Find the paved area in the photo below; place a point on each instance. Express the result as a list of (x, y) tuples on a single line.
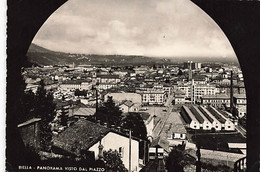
[(160, 125)]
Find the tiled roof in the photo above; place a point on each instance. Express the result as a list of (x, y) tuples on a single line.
[(206, 113), (240, 96), (189, 113), (85, 112), (80, 136), (128, 103), (217, 96), (214, 112)]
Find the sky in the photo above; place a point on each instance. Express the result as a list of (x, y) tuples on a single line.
[(165, 28)]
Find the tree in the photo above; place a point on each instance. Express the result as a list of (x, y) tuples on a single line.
[(173, 162), (45, 109), (135, 122), (113, 161), (109, 113), (27, 106), (63, 118)]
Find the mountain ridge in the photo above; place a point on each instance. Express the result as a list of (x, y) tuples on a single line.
[(43, 56)]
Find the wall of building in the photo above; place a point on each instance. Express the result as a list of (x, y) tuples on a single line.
[(119, 97), (30, 135), (115, 141)]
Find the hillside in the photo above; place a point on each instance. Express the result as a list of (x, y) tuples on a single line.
[(43, 56)]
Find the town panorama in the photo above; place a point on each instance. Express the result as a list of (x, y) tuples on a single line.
[(102, 113)]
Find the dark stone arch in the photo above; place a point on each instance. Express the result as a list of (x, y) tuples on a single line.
[(239, 20)]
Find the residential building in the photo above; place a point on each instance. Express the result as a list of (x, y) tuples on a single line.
[(106, 86), (198, 90), (29, 131), (141, 70), (129, 106), (75, 84), (122, 96), (83, 112), (85, 136), (240, 104), (108, 79), (218, 100), (179, 99), (153, 97)]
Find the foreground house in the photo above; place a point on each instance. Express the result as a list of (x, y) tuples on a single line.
[(29, 131), (86, 136)]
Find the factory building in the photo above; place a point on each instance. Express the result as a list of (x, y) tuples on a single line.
[(206, 118)]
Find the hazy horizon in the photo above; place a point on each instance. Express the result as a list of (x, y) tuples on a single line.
[(167, 28)]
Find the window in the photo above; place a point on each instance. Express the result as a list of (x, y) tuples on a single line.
[(121, 151)]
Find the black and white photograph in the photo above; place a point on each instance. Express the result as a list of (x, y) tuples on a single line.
[(133, 85)]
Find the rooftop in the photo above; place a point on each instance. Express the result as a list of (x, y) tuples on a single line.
[(206, 113), (190, 114), (214, 112), (240, 96), (80, 136), (128, 103), (31, 121), (84, 112), (217, 96), (108, 76), (198, 114)]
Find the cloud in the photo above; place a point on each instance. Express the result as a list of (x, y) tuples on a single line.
[(156, 28)]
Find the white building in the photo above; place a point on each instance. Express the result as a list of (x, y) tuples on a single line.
[(129, 106), (189, 118), (217, 100), (106, 86), (116, 141), (240, 103), (153, 97), (198, 90), (214, 122), (85, 136), (205, 124), (226, 124), (111, 79), (119, 97), (77, 84), (179, 99)]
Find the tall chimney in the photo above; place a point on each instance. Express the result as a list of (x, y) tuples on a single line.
[(190, 70), (231, 93)]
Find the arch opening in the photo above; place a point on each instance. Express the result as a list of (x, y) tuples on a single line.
[(123, 31)]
